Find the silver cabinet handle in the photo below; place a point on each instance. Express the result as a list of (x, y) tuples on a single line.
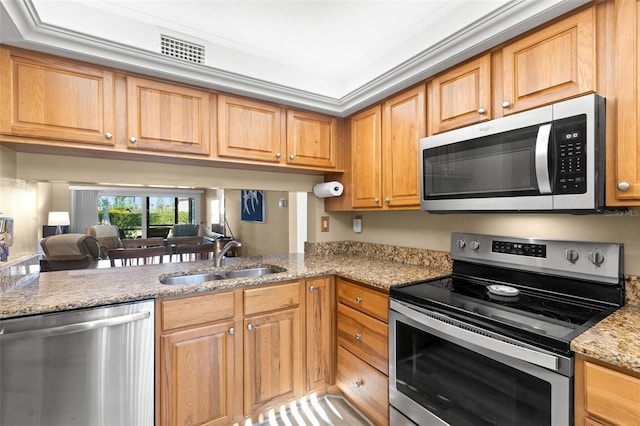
[(132, 139), (232, 330), (506, 104), (387, 200), (249, 327), (312, 288), (623, 186), (482, 111), (358, 299), (292, 156), (358, 336), (359, 383), (278, 155), (375, 200), (108, 135)]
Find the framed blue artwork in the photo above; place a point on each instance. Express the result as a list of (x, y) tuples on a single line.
[(252, 208)]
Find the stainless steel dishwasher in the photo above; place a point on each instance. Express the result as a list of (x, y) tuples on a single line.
[(83, 367)]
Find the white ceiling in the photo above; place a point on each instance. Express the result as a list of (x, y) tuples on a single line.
[(328, 55)]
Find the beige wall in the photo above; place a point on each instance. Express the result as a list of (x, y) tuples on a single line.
[(270, 237)]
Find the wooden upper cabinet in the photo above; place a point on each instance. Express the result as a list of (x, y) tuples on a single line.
[(312, 139), (48, 98), (552, 64), (366, 158), (404, 123), (167, 117), (461, 96), (624, 183), (250, 129)]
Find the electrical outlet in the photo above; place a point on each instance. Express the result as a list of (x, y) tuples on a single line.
[(324, 223)]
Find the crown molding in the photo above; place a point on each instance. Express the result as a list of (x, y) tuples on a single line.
[(22, 27)]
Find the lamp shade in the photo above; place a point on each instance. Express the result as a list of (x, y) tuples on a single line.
[(58, 219)]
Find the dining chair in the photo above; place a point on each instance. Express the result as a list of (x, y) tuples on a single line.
[(136, 256), (189, 252), (142, 242)]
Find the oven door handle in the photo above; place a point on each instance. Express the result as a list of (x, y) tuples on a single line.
[(542, 158), (467, 335)]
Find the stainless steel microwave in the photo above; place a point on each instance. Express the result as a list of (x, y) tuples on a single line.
[(547, 159)]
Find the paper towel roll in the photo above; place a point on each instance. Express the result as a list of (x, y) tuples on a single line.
[(328, 189)]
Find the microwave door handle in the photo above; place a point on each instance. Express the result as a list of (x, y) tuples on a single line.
[(542, 158)]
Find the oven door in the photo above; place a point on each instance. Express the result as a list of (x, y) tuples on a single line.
[(442, 372)]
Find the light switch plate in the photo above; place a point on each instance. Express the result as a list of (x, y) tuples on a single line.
[(324, 223)]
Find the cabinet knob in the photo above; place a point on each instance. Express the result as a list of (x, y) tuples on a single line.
[(623, 186), (249, 327), (278, 155), (358, 299), (482, 111), (506, 104), (375, 200), (232, 330), (132, 139), (312, 288), (292, 156), (358, 336), (387, 200), (359, 383), (108, 135)]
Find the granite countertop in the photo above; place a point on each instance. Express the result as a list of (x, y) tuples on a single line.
[(614, 339), (64, 290)]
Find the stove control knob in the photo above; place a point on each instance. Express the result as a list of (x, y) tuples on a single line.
[(475, 245), (571, 255), (461, 243), (596, 257)]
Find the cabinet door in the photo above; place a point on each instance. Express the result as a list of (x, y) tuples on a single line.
[(552, 64), (250, 130), (461, 96), (319, 324), (404, 124), (196, 376), (311, 139), (626, 184), (366, 158), (167, 117), (49, 98), (272, 359)]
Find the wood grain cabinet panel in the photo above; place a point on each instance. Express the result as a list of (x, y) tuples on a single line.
[(364, 299), (197, 376), (312, 139), (167, 117), (250, 130), (366, 158), (461, 96), (320, 324), (552, 64), (365, 336), (624, 183), (57, 100)]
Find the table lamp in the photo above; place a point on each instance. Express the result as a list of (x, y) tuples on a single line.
[(58, 219)]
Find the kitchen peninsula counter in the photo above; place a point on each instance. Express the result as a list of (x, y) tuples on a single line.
[(84, 288)]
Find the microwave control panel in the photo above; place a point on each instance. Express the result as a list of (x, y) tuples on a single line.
[(571, 164)]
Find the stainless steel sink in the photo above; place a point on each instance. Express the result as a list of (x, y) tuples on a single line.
[(190, 279)]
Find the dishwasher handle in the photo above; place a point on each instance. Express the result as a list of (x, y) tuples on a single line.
[(74, 328)]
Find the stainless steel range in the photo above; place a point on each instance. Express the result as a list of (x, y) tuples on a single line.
[(490, 344)]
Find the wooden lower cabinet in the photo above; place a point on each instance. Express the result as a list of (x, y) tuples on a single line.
[(320, 332), (605, 395), (363, 348)]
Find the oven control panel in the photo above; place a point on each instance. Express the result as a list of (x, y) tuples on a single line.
[(579, 259)]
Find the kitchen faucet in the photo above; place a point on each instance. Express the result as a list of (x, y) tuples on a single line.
[(220, 252)]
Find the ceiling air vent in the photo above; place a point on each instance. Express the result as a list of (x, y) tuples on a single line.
[(180, 49)]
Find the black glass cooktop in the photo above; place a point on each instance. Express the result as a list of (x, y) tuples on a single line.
[(537, 317)]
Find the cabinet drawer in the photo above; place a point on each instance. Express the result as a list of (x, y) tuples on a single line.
[(611, 395), (265, 299), (365, 386), (363, 299), (365, 336), (190, 311)]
